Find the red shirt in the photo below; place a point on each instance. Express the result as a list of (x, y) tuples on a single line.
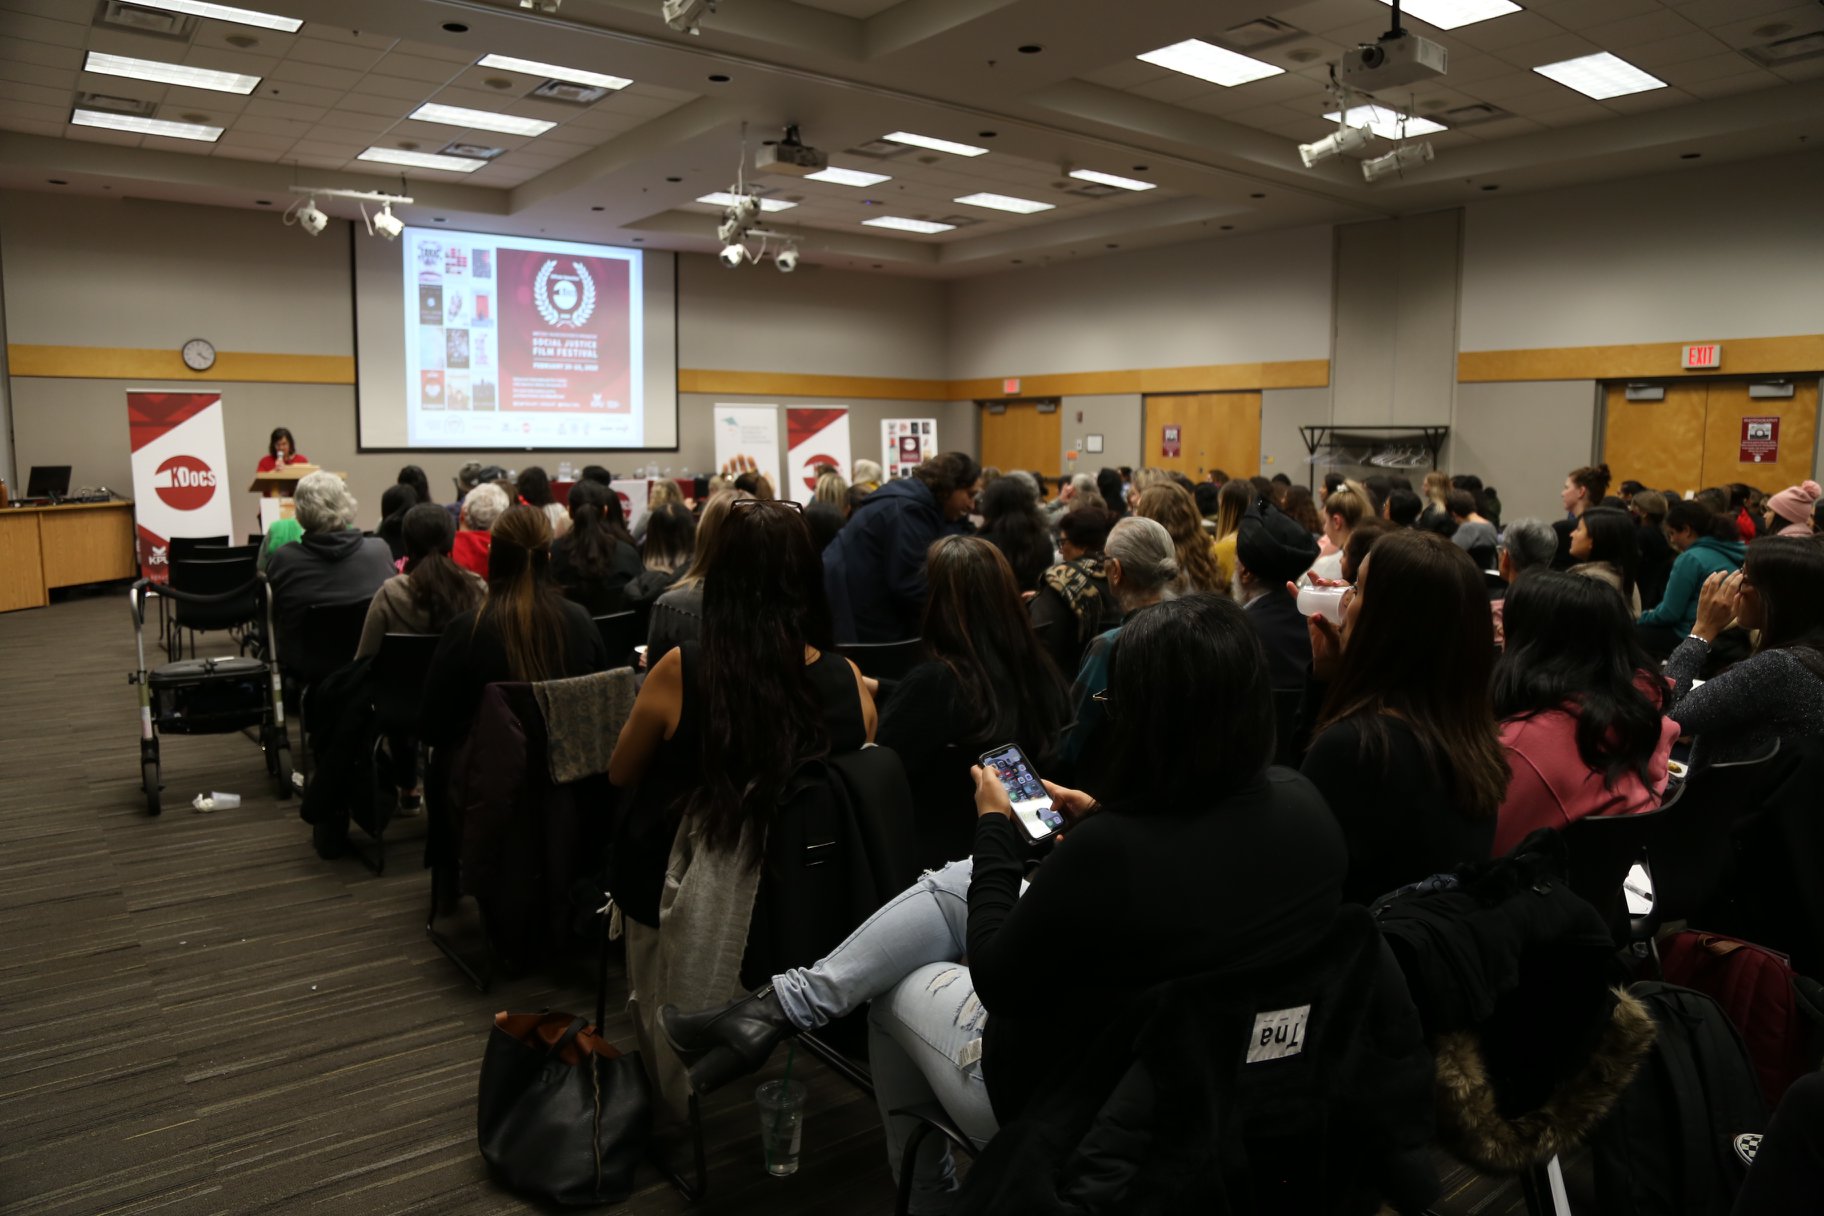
[(269, 463), (471, 551)]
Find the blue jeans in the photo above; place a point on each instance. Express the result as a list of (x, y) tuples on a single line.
[(925, 1027)]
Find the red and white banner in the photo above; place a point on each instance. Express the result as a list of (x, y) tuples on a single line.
[(180, 472), (814, 436)]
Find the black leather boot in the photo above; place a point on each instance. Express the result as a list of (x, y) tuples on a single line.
[(720, 1044)]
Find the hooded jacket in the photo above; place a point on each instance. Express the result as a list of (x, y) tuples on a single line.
[(1678, 607), (874, 571), (324, 568)]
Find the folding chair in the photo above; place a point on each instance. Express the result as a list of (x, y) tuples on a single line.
[(621, 632), (399, 672), (885, 660), (325, 641), (196, 607)]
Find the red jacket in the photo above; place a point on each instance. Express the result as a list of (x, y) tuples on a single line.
[(471, 551), (269, 463)]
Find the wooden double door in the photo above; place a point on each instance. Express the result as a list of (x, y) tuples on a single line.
[(1711, 433), (1192, 433), (1019, 435)]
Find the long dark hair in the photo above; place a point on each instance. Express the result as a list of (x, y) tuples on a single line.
[(534, 485), (523, 603), (413, 476), (975, 624), (1613, 539), (671, 538), (1108, 485), (1161, 758), (763, 603), (1422, 649), (394, 503), (1689, 514), (272, 444), (1013, 524), (1787, 572), (441, 589), (1571, 645), (592, 539)]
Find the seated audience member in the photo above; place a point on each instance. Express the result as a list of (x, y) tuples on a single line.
[(1142, 568), (1528, 544), (1777, 693), (1583, 488), (466, 479), (599, 475), (1232, 502), (1405, 747), (866, 477), (677, 615), (1142, 481), (1706, 544), (1269, 491), (534, 489), (669, 547), (431, 592), (1361, 540), (1487, 502), (283, 532), (1435, 517), (1108, 484), (332, 563), (987, 682), (1271, 551), (1301, 510), (595, 560), (1648, 511), (394, 503), (874, 571), (1342, 511), (1793, 508), (1074, 603), (1242, 860), (1401, 508), (1208, 495), (480, 508), (1378, 487), (413, 476), (1581, 708), (662, 492), (833, 491), (524, 630), (825, 522), (716, 734), (1474, 534), (1077, 490), (1629, 489), (1741, 507), (1013, 523), (1176, 511), (1604, 547)]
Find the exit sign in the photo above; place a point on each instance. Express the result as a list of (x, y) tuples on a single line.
[(1703, 357), (1010, 387)]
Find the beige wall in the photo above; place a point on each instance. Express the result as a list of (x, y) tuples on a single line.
[(1523, 438), (1395, 360)]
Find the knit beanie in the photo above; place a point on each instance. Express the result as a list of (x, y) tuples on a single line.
[(1794, 503), (1272, 545)]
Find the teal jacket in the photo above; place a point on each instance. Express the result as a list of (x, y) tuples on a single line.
[(1678, 608)]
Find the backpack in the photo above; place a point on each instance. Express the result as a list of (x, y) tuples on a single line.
[(1779, 1012), (1668, 1147)]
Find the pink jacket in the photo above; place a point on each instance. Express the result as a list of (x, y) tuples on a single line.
[(1550, 785)]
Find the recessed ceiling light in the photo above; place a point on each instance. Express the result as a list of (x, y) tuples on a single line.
[(1206, 61), (1600, 76), (598, 208), (986, 134), (480, 120), (455, 27), (847, 177), (146, 126), (1228, 227), (1109, 179), (1031, 48), (170, 73), (936, 145), (552, 71), (56, 181), (722, 198), (904, 225), (1450, 14), (421, 160), (1004, 202), (223, 12), (718, 78), (1689, 155), (1385, 121)]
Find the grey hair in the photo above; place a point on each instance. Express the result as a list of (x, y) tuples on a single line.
[(1083, 483), (1029, 481), (1529, 543), (483, 505), (866, 472), (323, 503), (1149, 560)]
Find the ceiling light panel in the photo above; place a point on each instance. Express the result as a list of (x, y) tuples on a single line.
[(899, 224), (223, 12), (847, 177), (1206, 61), (140, 125), (722, 198), (1385, 121), (552, 71), (1452, 14), (1601, 76), (170, 73), (936, 145), (1109, 179), (421, 160), (1004, 202), (480, 120)]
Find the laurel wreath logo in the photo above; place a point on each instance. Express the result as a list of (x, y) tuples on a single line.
[(541, 297)]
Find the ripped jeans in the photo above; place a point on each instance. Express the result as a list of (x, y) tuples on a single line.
[(925, 1027)]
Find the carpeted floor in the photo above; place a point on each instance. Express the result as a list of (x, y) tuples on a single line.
[(199, 1016)]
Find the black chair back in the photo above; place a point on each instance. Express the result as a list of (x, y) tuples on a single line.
[(218, 553), (326, 640), (400, 670), (195, 576), (621, 632), (885, 660), (182, 547), (1684, 846)]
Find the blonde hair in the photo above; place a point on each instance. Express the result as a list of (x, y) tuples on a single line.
[(1176, 511), (663, 493), (831, 488), (715, 511), (1348, 504), (1437, 489), (867, 473)]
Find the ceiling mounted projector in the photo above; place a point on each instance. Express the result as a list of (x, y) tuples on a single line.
[(1398, 58), (1396, 162), (791, 156), (685, 16), (733, 255), (1339, 141), (311, 219)]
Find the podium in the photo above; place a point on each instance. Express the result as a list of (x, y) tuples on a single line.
[(279, 483)]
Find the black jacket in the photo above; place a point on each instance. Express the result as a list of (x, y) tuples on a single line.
[(1286, 636), (323, 568), (874, 571)]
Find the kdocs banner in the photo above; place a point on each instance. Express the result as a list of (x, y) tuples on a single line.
[(180, 472), (905, 443), (747, 441), (816, 436), (633, 493)]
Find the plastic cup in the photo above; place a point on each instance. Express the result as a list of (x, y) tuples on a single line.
[(781, 1105), (1327, 601), (224, 802)]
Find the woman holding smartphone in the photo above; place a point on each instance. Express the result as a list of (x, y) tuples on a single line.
[(1203, 862)]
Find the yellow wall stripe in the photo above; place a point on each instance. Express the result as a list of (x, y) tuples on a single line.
[(129, 363), (1741, 357)]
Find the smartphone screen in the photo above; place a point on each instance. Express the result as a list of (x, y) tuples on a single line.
[(1031, 804)]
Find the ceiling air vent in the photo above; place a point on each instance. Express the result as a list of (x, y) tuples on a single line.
[(1787, 50), (879, 149), (145, 20), (572, 94), (471, 151), (1258, 33), (958, 221), (1469, 116), (113, 104), (1090, 190)]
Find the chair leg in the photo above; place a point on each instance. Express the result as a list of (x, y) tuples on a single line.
[(690, 1190), (908, 1167), (444, 944)]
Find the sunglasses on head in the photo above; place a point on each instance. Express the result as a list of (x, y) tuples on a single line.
[(787, 503)]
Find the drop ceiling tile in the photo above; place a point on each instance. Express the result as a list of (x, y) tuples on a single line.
[(1123, 74), (1742, 32), (597, 118), (205, 99), (367, 103), (38, 74), (379, 42), (534, 107), (1711, 13), (46, 95), (1549, 50), (1504, 128), (32, 111), (40, 29), (1571, 115), (640, 88), (1810, 69), (323, 162), (1711, 67), (22, 50), (271, 107), (56, 10), (29, 126), (1327, 16), (1174, 89), (335, 54), (645, 107), (97, 135), (1653, 99), (1682, 49), (1502, 33), (339, 80), (194, 147), (414, 91), (1519, 87), (221, 60), (1467, 69), (343, 151), (1729, 86), (239, 137), (448, 52), (473, 77), (469, 99), (272, 126), (263, 155), (413, 67), (348, 120), (1576, 15), (1618, 36)]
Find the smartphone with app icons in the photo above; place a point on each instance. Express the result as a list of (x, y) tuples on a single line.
[(1032, 808)]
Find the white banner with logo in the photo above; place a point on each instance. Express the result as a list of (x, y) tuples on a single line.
[(633, 493), (905, 443), (180, 472), (817, 435), (747, 441)]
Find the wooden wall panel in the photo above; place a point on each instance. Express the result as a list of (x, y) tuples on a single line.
[(87, 543), (1660, 443), (1217, 431), (1741, 357), (21, 567), (1798, 415)]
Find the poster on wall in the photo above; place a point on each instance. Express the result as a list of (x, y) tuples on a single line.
[(747, 440), (1171, 445), (1760, 440), (904, 443), (180, 471), (814, 436)]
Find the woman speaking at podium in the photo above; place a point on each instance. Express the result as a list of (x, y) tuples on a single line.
[(281, 450)]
